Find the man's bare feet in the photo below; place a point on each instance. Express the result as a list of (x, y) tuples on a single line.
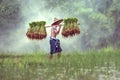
[(59, 55), (51, 56)]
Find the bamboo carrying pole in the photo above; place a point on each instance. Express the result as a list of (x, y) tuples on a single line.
[(57, 25)]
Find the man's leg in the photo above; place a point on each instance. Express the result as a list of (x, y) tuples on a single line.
[(59, 49), (58, 54), (52, 47), (51, 56)]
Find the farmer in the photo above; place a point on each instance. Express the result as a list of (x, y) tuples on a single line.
[(54, 42)]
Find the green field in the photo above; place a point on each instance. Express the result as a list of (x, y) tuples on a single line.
[(91, 65)]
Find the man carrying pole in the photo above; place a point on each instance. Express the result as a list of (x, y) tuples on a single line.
[(54, 42)]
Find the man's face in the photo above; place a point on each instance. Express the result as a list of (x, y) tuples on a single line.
[(54, 26)]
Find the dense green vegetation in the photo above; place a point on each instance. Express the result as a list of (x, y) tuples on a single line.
[(75, 66)]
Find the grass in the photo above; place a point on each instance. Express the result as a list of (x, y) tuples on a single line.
[(91, 65)]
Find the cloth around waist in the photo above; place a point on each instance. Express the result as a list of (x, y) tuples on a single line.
[(52, 38)]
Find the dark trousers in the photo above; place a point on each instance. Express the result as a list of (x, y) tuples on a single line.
[(55, 46)]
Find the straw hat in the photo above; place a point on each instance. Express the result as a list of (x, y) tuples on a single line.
[(57, 21)]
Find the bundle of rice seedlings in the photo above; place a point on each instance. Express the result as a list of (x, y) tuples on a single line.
[(70, 27), (37, 30), (42, 32), (67, 31), (76, 27), (30, 31), (64, 30), (71, 31)]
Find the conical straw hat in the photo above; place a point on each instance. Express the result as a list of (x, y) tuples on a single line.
[(57, 21)]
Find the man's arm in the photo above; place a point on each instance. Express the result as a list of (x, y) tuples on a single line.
[(58, 29)]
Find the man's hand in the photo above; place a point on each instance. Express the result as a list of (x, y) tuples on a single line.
[(59, 25)]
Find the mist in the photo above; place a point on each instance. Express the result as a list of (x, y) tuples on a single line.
[(13, 35)]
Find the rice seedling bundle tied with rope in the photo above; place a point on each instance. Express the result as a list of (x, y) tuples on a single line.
[(70, 27), (37, 30)]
